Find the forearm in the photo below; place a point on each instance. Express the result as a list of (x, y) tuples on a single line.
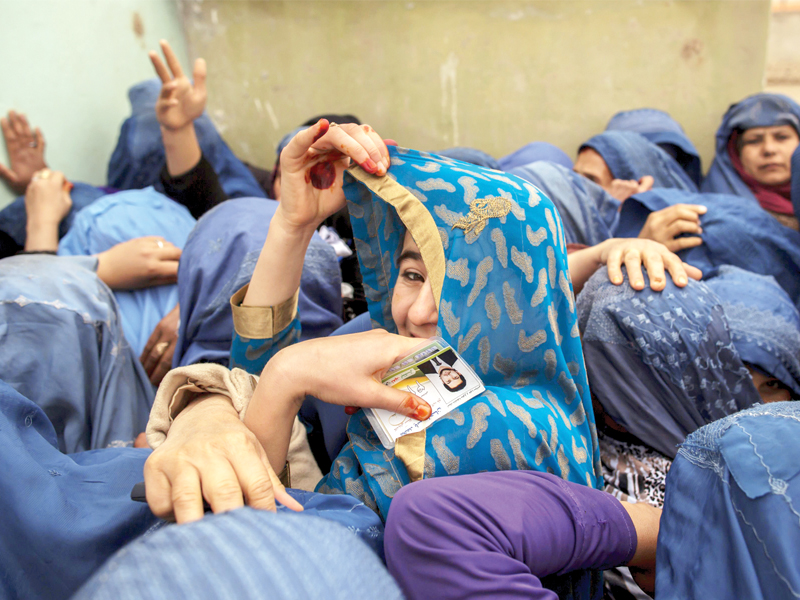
[(582, 265), (182, 149), (273, 409), (41, 236), (280, 265)]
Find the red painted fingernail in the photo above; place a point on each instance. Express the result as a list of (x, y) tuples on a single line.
[(369, 166), (350, 410), (422, 412), (323, 129)]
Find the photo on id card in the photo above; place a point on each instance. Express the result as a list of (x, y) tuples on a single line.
[(435, 373)]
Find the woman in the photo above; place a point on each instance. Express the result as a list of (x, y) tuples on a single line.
[(665, 132), (534, 386), (754, 145)]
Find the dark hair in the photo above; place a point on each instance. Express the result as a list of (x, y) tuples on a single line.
[(458, 387)]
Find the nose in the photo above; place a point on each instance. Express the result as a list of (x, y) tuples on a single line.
[(769, 146), (423, 311)]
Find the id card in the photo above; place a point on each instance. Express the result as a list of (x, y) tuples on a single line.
[(435, 373)]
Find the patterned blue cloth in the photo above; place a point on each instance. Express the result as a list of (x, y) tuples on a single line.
[(759, 110), (139, 156), (505, 304), (665, 132), (662, 364), (14, 218), (121, 217), (535, 152), (589, 213), (735, 232), (630, 155), (764, 324), (61, 343), (731, 521), (219, 258)]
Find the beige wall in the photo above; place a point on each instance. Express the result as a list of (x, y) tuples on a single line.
[(485, 73)]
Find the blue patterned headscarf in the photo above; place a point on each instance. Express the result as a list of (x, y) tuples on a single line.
[(496, 259), (472, 156), (665, 132), (735, 232), (631, 156), (759, 110), (219, 259), (662, 364), (139, 155), (589, 213)]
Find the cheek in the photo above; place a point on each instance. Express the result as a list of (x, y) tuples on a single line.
[(775, 395), (399, 309), (748, 157)]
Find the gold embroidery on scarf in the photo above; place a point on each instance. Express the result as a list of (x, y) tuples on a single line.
[(451, 322), (459, 270), (505, 365), (492, 309), (480, 211), (449, 461), (523, 416), (465, 341), (500, 456), (563, 463), (481, 279), (485, 348), (512, 309), (527, 344), (580, 454), (495, 401), (500, 244), (524, 262), (516, 447), (479, 424)]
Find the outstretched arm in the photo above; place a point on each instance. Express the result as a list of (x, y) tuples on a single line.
[(47, 202)]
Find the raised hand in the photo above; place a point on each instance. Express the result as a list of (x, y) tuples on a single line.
[(312, 166), (622, 189), (47, 202), (180, 102), (25, 151)]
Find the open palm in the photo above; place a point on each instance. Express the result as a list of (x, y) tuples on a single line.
[(180, 101)]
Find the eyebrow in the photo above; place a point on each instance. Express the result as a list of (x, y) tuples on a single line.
[(408, 255)]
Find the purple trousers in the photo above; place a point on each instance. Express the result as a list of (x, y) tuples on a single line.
[(496, 535)]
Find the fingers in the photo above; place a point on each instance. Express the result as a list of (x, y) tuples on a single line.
[(166, 271), (693, 271), (362, 137), (645, 184), (221, 487), (614, 266), (158, 65), (39, 137), (676, 269), (282, 496), (163, 366), (24, 126), (681, 243), (172, 60), (168, 251), (187, 498), (394, 400), (17, 123), (654, 264), (255, 480), (158, 489), (680, 226), (199, 75), (633, 263), (149, 356)]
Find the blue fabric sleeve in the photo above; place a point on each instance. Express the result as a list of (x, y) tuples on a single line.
[(252, 355)]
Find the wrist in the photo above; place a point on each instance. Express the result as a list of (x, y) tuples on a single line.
[(41, 235), (289, 229), (284, 382)]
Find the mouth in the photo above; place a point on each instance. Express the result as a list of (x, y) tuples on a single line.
[(771, 167)]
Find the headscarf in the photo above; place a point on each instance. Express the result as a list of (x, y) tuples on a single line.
[(736, 232), (535, 152), (734, 486), (496, 260), (121, 217), (589, 213), (472, 156), (61, 343), (219, 258), (665, 132), (14, 217), (726, 175), (764, 324), (631, 156), (139, 155), (662, 364)]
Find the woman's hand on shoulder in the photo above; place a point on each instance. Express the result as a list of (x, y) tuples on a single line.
[(347, 370), (210, 454), (654, 256), (312, 165)]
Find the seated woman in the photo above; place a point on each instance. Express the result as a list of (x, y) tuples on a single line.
[(754, 145), (509, 531), (665, 132), (61, 343)]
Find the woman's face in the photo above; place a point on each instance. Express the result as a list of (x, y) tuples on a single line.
[(769, 388), (450, 378), (413, 307), (592, 166), (766, 153)]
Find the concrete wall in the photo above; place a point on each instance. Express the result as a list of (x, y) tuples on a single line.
[(492, 74), (783, 52), (68, 65)]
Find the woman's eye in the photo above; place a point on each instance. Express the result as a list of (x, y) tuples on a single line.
[(413, 276)]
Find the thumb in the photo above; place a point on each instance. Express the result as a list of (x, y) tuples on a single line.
[(398, 401), (8, 174), (645, 184)]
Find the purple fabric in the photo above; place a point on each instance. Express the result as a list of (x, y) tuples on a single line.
[(495, 535)]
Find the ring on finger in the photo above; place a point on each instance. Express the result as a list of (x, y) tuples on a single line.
[(161, 347), (159, 243), (32, 144)]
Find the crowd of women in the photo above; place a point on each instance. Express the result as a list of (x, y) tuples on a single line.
[(214, 330)]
